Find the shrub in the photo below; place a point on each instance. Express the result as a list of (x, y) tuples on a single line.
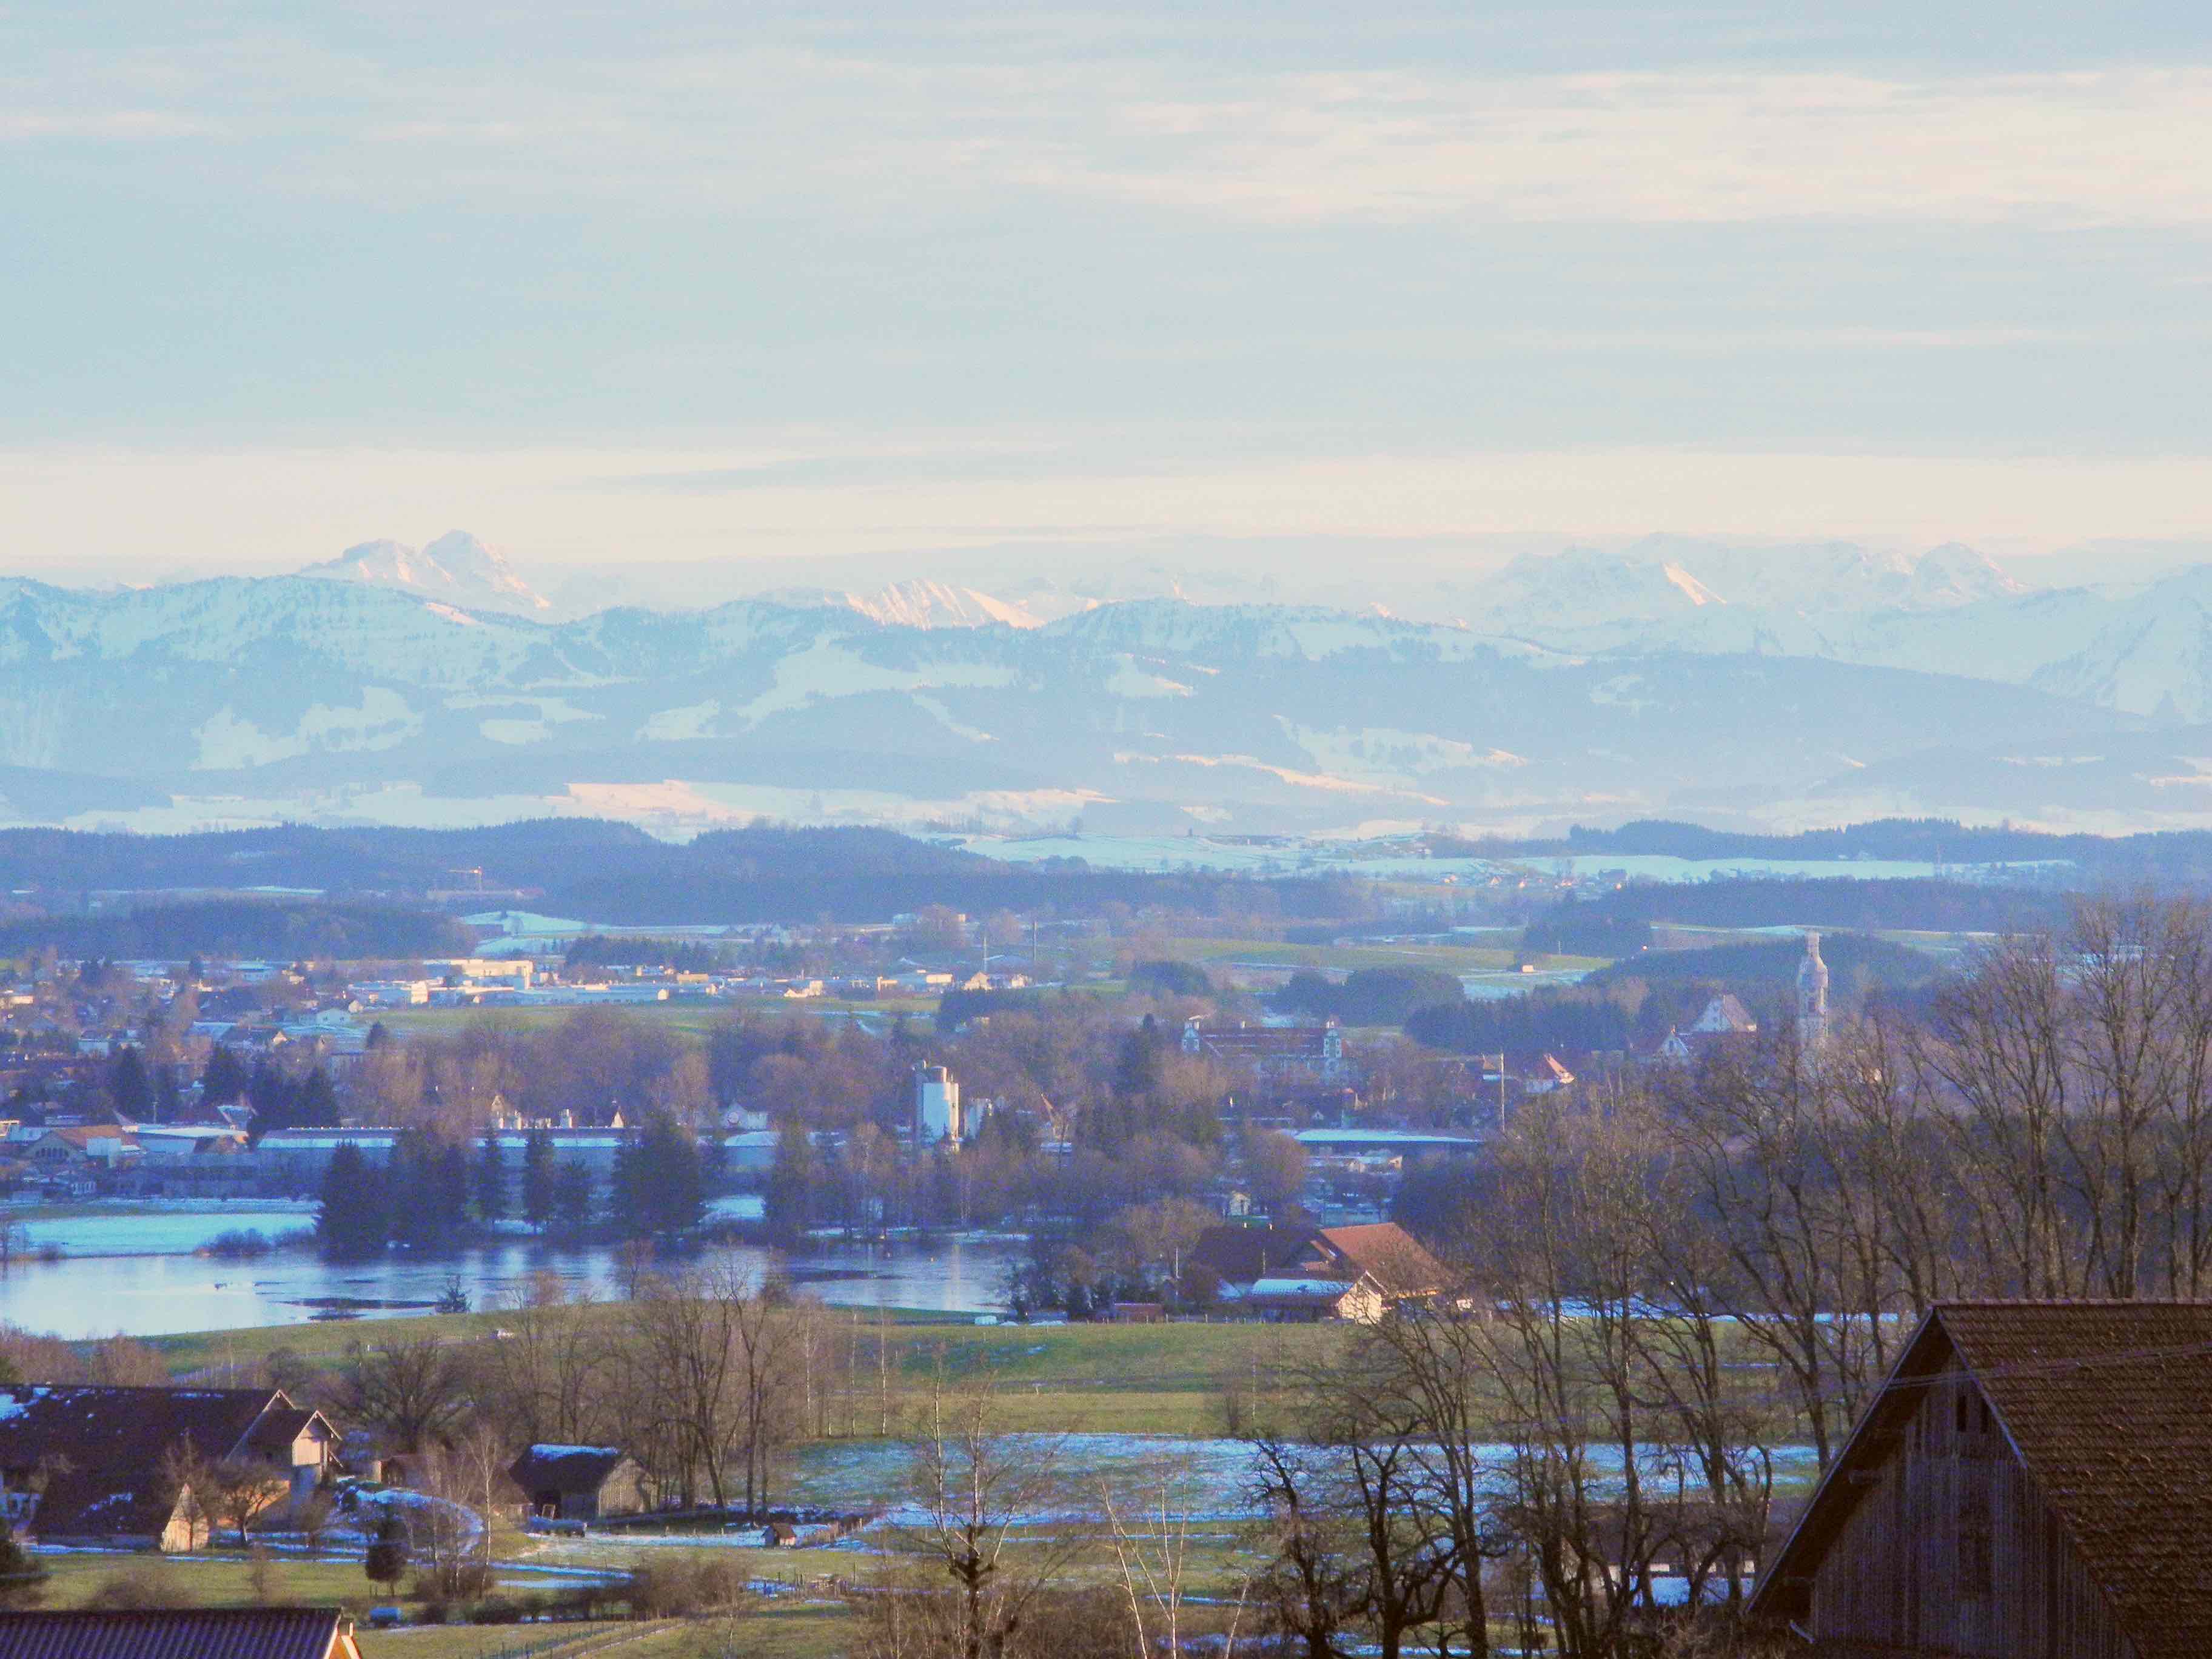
[(1169, 979), (386, 1558), (237, 1244), (22, 1575), (669, 1590), (134, 1589), (578, 1601), (454, 1581)]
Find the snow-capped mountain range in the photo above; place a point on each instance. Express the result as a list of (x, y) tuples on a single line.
[(430, 686), (456, 570), (911, 605)]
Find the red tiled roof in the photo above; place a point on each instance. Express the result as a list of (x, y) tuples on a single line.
[(1389, 1255)]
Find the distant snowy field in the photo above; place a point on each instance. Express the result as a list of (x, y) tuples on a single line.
[(1321, 856), (164, 1231)]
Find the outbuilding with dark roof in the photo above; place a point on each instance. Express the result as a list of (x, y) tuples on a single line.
[(578, 1483)]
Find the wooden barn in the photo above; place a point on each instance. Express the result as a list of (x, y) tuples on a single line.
[(2034, 1482), (578, 1483)]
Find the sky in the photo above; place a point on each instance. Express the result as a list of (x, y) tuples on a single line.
[(654, 284)]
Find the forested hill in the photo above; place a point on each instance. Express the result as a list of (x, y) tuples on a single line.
[(599, 871), (1831, 901), (1768, 967), (550, 854), (534, 853), (2166, 855), (277, 930)]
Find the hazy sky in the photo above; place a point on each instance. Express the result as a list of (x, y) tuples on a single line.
[(670, 281)]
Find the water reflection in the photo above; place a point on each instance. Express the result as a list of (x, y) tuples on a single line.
[(86, 1296)]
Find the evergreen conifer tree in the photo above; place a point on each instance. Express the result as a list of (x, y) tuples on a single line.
[(351, 1221), (224, 1081), (272, 1098), (490, 1179), (627, 1187), (571, 1197), (168, 1102), (449, 1188), (538, 1178), (793, 1180), (316, 1104), (386, 1558), (129, 1088)]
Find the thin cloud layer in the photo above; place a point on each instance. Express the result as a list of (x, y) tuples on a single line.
[(1211, 270)]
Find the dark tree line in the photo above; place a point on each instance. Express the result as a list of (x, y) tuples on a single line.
[(1573, 1020), (280, 930), (1370, 996), (430, 1191)]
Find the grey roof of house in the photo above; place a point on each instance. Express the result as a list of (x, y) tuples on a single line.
[(105, 1448), (172, 1633)]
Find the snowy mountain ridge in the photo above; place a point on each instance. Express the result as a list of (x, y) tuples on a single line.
[(1667, 680), (916, 604), (456, 569)]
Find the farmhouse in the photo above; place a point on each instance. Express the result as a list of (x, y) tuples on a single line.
[(1319, 1273), (87, 1465), (1278, 1054), (578, 1483), (2030, 1483)]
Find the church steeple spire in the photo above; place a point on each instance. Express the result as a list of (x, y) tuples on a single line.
[(1811, 998)]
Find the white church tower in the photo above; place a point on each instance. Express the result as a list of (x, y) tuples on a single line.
[(937, 1115), (1811, 998)]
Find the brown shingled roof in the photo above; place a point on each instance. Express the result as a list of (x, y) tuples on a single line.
[(1389, 1255), (2109, 1405)]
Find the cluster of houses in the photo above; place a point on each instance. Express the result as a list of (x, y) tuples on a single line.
[(520, 982), (107, 1467), (112, 1468), (72, 1157), (2029, 1482)]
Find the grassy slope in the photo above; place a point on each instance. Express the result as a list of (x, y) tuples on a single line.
[(1149, 1379), (1452, 958)]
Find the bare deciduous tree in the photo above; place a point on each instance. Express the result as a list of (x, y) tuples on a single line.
[(415, 1390)]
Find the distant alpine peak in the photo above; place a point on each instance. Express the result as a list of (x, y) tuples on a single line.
[(1955, 574), (917, 603), (1665, 575), (455, 569)]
